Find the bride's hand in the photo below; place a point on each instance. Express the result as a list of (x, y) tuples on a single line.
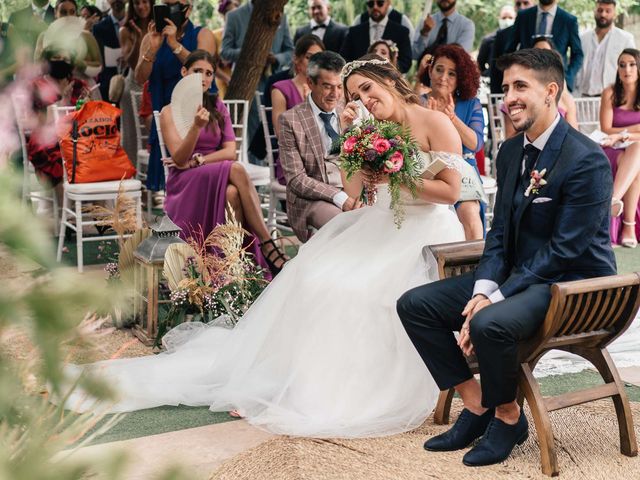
[(348, 115)]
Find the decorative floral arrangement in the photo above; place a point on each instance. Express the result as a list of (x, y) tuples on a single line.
[(536, 182), (382, 147), (210, 278)]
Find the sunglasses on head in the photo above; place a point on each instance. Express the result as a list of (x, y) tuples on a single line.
[(379, 3)]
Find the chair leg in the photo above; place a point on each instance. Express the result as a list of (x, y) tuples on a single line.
[(79, 234), (63, 227), (601, 359), (531, 390), (149, 206), (443, 407)]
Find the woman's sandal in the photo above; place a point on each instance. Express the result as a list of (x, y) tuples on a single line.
[(617, 207), (274, 255), (629, 242)]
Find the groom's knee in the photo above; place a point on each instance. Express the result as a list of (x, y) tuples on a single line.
[(486, 326)]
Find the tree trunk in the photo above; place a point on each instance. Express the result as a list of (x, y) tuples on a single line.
[(265, 19)]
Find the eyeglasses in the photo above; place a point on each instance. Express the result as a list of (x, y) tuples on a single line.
[(379, 3)]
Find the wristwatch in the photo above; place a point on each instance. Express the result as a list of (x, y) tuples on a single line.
[(625, 135), (177, 50), (199, 158)]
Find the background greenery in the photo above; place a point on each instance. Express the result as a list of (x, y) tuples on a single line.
[(484, 13)]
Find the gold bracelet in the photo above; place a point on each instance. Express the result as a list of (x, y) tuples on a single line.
[(147, 59)]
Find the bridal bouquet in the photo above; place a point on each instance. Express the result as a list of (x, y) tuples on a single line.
[(382, 147)]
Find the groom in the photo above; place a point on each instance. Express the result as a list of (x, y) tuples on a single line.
[(541, 234)]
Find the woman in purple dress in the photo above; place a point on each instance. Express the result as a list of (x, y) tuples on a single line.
[(620, 120), (203, 175), (286, 94)]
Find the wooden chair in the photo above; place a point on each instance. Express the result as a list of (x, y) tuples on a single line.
[(584, 316)]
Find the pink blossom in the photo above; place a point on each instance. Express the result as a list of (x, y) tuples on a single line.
[(381, 145), (349, 144), (394, 163)]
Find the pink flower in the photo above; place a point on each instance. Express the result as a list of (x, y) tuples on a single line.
[(349, 144), (381, 145), (394, 163)]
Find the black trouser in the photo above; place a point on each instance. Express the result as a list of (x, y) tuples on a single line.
[(431, 313)]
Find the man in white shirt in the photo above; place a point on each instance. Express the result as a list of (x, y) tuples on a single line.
[(323, 26), (602, 47), (307, 131), (446, 26)]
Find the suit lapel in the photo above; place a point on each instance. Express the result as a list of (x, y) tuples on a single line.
[(510, 183), (547, 160)]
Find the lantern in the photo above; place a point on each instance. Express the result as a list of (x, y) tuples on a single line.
[(147, 273)]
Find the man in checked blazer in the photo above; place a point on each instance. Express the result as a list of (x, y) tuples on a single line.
[(307, 131)]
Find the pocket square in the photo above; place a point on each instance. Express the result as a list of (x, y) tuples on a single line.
[(541, 200)]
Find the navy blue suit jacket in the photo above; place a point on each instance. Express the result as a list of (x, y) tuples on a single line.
[(356, 43), (565, 37), (563, 238), (105, 34)]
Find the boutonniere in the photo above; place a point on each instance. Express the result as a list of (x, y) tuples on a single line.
[(536, 183)]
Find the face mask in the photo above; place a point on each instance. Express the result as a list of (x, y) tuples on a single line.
[(59, 69), (178, 13), (505, 22)]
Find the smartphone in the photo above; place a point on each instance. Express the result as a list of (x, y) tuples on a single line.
[(160, 13)]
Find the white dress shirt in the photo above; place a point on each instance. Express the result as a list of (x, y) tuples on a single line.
[(320, 31), (340, 197), (550, 18), (489, 288)]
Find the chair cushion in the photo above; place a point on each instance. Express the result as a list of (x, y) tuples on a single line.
[(103, 187)]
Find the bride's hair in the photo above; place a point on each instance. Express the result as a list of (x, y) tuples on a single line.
[(380, 71)]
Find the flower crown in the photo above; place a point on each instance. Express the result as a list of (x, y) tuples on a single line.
[(351, 67)]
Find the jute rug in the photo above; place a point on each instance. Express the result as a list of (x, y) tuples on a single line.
[(587, 445)]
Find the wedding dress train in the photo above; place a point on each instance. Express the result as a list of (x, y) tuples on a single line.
[(322, 351)]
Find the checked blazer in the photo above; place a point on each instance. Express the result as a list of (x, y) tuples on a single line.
[(302, 156)]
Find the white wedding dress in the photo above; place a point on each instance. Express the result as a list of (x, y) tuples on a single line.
[(322, 352)]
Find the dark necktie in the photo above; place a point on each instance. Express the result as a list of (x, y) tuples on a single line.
[(441, 37), (317, 27), (326, 120), (542, 28), (530, 157)]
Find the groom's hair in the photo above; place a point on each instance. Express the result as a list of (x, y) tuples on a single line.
[(546, 64)]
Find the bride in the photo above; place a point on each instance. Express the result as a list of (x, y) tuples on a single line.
[(322, 352)]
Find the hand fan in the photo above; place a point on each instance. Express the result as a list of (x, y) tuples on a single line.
[(185, 100), (64, 35)]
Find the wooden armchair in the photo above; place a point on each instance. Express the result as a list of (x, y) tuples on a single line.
[(584, 317)]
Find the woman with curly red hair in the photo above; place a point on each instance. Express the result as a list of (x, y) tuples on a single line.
[(455, 79)]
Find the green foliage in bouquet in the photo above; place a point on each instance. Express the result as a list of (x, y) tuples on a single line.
[(383, 147)]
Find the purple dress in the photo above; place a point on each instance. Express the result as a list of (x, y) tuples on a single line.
[(621, 118), (196, 197), (293, 98)]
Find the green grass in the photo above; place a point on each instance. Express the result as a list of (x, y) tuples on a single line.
[(152, 421)]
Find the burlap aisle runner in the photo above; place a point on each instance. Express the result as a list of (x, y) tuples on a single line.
[(587, 444)]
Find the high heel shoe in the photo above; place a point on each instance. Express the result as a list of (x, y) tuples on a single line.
[(629, 242), (273, 255), (617, 207)]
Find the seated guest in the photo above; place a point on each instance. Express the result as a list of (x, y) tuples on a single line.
[(314, 188), (91, 15), (620, 119), (566, 105), (88, 61), (288, 93), (203, 175), (56, 86), (455, 80), (385, 49)]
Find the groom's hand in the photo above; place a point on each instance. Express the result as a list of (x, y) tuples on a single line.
[(474, 305)]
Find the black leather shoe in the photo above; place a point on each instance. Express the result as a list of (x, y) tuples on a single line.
[(467, 428), (497, 442)]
